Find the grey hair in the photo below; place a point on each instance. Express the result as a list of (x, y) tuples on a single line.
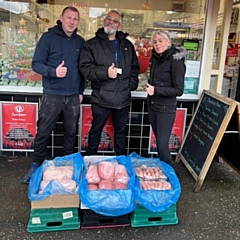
[(165, 34), (118, 13)]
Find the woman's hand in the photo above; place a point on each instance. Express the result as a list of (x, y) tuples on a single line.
[(150, 89)]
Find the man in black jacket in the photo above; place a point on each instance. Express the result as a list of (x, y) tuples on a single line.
[(56, 58), (109, 61)]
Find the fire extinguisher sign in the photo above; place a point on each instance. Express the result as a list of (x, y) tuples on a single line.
[(18, 125)]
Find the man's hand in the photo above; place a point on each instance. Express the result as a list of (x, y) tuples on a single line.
[(112, 71), (61, 71), (80, 98)]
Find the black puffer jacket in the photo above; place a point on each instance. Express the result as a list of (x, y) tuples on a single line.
[(96, 57), (167, 76)]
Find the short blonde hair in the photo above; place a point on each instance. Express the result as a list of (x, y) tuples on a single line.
[(164, 33)]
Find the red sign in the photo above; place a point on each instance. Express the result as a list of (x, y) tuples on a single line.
[(232, 51), (106, 142), (18, 126), (176, 137)]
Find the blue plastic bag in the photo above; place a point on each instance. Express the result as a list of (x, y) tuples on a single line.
[(156, 200), (53, 186), (110, 202)]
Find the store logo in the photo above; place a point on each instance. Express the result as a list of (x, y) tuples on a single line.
[(19, 108)]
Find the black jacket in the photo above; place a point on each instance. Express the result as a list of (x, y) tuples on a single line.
[(167, 76), (53, 47), (96, 57)]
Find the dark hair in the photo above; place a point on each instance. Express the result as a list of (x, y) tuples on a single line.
[(70, 8)]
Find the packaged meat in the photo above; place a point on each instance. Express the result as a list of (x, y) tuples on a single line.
[(92, 186), (119, 185), (106, 170), (151, 173), (121, 174), (105, 184), (92, 174), (69, 185), (155, 185), (58, 173)]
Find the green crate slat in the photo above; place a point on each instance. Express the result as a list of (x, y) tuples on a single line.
[(142, 217), (53, 219)]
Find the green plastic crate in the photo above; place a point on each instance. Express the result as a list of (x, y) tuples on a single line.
[(53, 219), (142, 217)]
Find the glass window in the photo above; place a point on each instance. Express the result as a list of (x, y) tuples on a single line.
[(22, 24)]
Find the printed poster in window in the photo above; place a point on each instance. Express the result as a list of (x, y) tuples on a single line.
[(106, 142), (18, 125), (191, 80), (177, 133)]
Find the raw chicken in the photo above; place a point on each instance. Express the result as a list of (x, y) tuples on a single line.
[(121, 174), (119, 185), (105, 184), (92, 174), (92, 186), (106, 170), (58, 173), (69, 185)]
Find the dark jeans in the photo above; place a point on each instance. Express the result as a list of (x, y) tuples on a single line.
[(162, 123), (52, 107), (100, 117)]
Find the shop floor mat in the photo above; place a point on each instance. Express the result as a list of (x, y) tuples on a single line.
[(90, 219), (142, 217), (53, 219)]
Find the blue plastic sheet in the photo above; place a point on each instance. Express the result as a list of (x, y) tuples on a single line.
[(110, 202), (53, 186), (156, 200)]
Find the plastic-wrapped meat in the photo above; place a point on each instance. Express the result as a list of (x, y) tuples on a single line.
[(106, 170), (92, 186), (70, 185), (92, 174), (155, 185), (119, 185), (58, 173), (105, 184), (121, 174), (150, 172)]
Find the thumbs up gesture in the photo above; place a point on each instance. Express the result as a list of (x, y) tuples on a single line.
[(112, 71), (61, 71)]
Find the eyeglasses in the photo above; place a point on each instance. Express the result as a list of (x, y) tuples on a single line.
[(115, 21)]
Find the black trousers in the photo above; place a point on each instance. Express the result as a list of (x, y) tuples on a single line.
[(162, 123), (100, 116), (52, 106)]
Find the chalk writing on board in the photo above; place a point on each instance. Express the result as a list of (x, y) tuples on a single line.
[(203, 131)]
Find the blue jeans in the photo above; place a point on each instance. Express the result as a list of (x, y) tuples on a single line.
[(100, 117), (162, 123), (52, 106)]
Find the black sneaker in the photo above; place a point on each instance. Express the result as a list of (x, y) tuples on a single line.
[(32, 169)]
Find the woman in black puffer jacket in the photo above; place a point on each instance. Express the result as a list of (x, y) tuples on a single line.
[(166, 82)]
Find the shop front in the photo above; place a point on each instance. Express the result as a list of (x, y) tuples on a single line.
[(200, 26)]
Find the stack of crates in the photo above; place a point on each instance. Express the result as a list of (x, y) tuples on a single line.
[(53, 219), (142, 217), (55, 213), (90, 219)]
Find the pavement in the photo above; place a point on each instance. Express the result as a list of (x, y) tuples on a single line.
[(212, 213)]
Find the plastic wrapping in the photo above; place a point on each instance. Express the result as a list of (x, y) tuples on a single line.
[(110, 202), (156, 200), (54, 187)]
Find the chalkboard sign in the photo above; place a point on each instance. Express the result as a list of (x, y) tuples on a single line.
[(204, 134)]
